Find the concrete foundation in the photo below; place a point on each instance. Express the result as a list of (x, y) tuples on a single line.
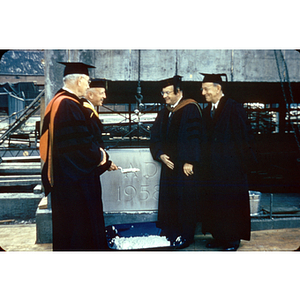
[(275, 223), (43, 226), (18, 205)]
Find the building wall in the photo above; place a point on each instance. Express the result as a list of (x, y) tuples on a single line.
[(122, 65)]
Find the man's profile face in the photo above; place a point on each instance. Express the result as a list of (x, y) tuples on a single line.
[(83, 82), (169, 95), (97, 96)]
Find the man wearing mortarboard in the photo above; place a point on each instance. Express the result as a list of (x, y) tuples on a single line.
[(226, 210), (72, 159), (94, 97), (176, 142)]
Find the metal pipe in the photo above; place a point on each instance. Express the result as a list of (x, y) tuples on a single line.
[(271, 206), (130, 122), (231, 68)]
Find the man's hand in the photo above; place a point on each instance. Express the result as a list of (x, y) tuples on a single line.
[(166, 160), (113, 167), (188, 169), (104, 158)]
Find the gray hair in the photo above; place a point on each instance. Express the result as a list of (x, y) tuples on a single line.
[(216, 84), (72, 77)]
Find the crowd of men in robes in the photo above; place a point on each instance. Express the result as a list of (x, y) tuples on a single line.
[(204, 157)]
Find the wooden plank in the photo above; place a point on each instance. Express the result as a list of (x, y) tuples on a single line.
[(20, 168), (19, 177), (43, 203), (38, 189), (16, 183), (20, 165), (21, 159), (19, 196), (7, 221), (19, 180)]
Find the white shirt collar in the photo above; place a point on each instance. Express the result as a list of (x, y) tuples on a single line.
[(174, 105), (90, 103), (68, 90), (215, 105)]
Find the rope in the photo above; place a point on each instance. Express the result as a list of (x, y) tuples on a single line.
[(285, 78), (139, 97)]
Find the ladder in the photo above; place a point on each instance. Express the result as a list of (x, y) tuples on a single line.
[(24, 116)]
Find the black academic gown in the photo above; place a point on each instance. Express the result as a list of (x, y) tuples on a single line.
[(97, 129), (77, 212), (228, 156), (178, 196)]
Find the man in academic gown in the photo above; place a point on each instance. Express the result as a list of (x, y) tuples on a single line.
[(73, 160), (229, 155), (175, 142), (95, 96)]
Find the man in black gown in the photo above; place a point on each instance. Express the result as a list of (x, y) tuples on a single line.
[(226, 210), (95, 96), (73, 160), (175, 142)]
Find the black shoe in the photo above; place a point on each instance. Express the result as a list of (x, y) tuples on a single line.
[(231, 246), (214, 244), (182, 242)]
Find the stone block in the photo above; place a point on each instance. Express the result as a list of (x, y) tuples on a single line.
[(131, 192), (18, 205), (43, 226)]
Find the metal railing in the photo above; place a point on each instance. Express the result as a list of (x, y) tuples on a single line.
[(23, 117)]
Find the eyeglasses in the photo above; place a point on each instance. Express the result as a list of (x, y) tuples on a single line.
[(167, 93), (87, 79)]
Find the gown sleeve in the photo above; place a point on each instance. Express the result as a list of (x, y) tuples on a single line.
[(156, 143)]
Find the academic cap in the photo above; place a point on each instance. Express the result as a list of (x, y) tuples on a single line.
[(99, 83), (214, 78), (175, 81), (76, 68)]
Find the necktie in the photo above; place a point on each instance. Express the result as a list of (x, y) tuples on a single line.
[(169, 121), (212, 112)]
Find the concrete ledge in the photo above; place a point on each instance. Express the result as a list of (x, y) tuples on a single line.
[(274, 223), (44, 222), (19, 180), (43, 226), (123, 218), (19, 205), (20, 168)]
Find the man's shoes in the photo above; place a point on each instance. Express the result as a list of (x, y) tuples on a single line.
[(232, 246), (182, 242), (214, 244), (225, 245)]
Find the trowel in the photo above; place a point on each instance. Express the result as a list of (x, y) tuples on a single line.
[(129, 170)]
